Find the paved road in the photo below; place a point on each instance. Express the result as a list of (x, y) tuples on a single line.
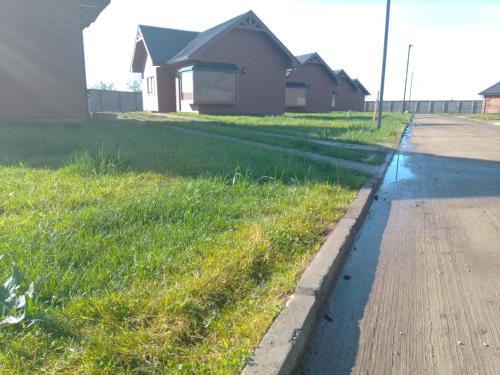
[(423, 296)]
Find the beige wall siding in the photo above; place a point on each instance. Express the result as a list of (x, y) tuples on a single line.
[(262, 85), (319, 95), (150, 101), (42, 72), (347, 98)]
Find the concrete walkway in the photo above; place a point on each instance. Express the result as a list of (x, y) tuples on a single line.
[(356, 166), (420, 292)]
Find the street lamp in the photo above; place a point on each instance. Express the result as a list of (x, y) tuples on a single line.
[(406, 76), (384, 59), (409, 95)]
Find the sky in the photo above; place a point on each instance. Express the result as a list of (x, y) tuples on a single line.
[(455, 54)]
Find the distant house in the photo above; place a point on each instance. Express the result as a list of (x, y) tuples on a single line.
[(310, 88), (491, 99), (349, 93), (235, 67), (42, 66)]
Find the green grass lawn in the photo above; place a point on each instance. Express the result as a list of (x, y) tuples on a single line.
[(486, 116), (153, 251), (356, 127)]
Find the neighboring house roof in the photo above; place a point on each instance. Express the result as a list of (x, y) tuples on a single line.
[(314, 58), (304, 58), (89, 10), (343, 74), (361, 87), (162, 44), (493, 90), (247, 20), (168, 46)]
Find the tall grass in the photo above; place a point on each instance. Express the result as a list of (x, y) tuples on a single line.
[(151, 251), (356, 127)]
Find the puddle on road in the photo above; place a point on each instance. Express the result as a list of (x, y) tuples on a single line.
[(398, 169)]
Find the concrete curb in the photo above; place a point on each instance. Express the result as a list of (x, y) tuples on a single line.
[(283, 346)]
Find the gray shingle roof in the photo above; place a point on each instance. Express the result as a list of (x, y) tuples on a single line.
[(342, 73), (162, 44), (493, 90), (303, 59), (203, 38), (168, 46), (361, 87)]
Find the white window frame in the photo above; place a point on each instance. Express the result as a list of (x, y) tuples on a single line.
[(151, 85)]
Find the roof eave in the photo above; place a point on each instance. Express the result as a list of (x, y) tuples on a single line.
[(89, 10)]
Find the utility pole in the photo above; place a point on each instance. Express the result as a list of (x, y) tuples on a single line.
[(406, 75), (384, 59), (409, 96)]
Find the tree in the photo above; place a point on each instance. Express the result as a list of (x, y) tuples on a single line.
[(134, 85), (104, 86)]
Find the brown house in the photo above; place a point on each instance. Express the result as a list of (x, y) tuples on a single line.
[(349, 93), (236, 67), (42, 67), (491, 99), (310, 88)]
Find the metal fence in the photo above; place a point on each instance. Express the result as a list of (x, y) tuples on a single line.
[(430, 106), (114, 101)]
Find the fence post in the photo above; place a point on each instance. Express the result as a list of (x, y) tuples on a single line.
[(458, 106), (390, 106), (430, 106)]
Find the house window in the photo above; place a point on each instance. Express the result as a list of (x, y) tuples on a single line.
[(295, 95), (333, 100), (215, 87), (151, 88), (209, 83)]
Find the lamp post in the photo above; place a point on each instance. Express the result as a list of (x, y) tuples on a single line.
[(384, 59), (409, 95), (406, 76)]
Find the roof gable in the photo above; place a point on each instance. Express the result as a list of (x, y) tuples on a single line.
[(315, 58), (247, 21), (493, 90), (341, 73), (303, 58), (162, 43), (361, 87)]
